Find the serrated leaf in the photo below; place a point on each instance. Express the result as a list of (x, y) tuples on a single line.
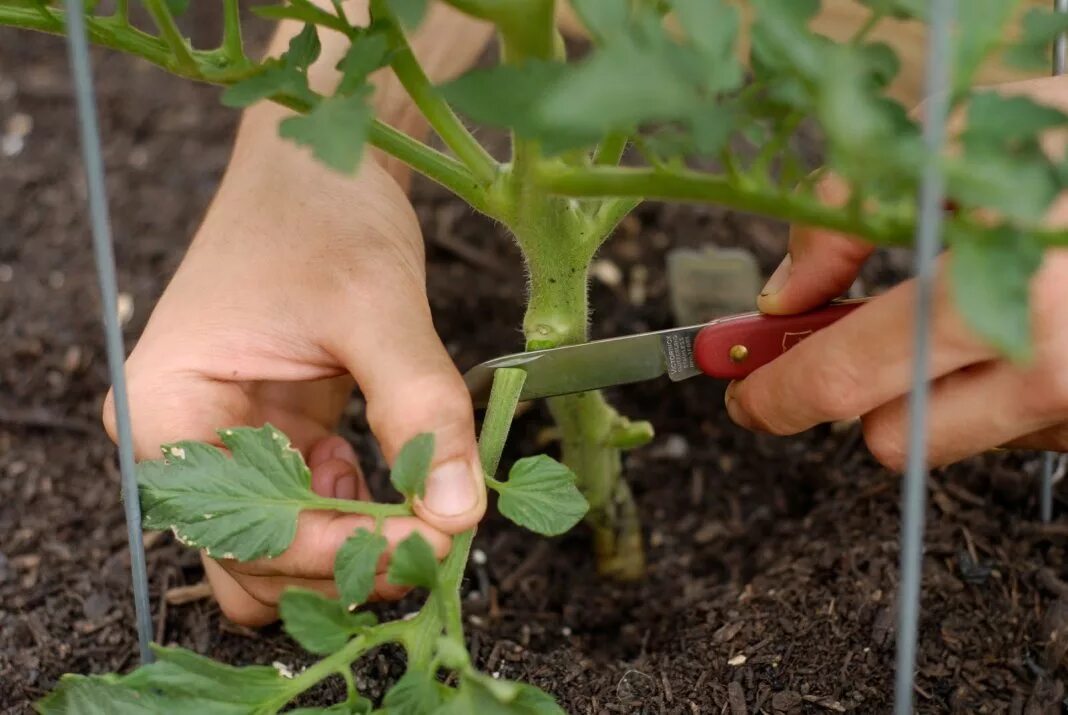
[(106, 695), (541, 495), (980, 31), (412, 465), (590, 100), (1039, 28), (1020, 188), (177, 7), (998, 120), (504, 95), (413, 563), (991, 274), (304, 48), (900, 9), (491, 696), (335, 130), (321, 625), (416, 693), (241, 507), (367, 53), (360, 706), (711, 25), (274, 78), (409, 12), (180, 673), (356, 565), (300, 10), (605, 19)]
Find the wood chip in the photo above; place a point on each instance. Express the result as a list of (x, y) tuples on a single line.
[(180, 595), (736, 698)]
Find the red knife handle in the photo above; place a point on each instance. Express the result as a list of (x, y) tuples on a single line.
[(731, 349)]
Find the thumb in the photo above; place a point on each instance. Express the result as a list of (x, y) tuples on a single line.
[(819, 265), (412, 386)]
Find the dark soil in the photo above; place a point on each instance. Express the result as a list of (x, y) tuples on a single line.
[(773, 562)]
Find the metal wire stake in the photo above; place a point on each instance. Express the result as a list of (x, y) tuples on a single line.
[(1045, 494), (928, 240), (105, 265)]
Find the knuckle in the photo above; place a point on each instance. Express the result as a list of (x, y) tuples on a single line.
[(437, 403), (1046, 393), (885, 444), (835, 389)]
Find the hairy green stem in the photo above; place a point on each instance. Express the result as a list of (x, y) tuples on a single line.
[(170, 33), (368, 508), (233, 46), (435, 109), (682, 184)]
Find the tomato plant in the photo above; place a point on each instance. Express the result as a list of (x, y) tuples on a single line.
[(675, 101)]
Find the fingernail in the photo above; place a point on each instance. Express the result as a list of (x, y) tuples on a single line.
[(778, 278), (734, 408), (450, 489), (346, 488), (345, 453)]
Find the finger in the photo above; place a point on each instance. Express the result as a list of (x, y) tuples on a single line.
[(412, 386), (853, 366), (819, 265), (321, 533), (269, 589), (970, 411), (336, 471), (236, 603), (1053, 438)]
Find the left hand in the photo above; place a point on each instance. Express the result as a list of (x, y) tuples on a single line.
[(862, 365)]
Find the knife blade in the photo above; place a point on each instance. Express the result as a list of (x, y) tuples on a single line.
[(728, 348)]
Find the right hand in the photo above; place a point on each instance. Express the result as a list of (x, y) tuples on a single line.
[(300, 282)]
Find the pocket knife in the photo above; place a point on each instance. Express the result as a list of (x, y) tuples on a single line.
[(728, 348)]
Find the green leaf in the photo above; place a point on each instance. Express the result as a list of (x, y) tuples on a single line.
[(900, 9), (592, 99), (274, 78), (409, 12), (711, 25), (412, 465), (605, 19), (504, 95), (367, 53), (489, 696), (303, 49), (416, 693), (320, 624), (1039, 28), (300, 10), (991, 272), (980, 31), (105, 695), (882, 62), (336, 130), (181, 673), (243, 507), (361, 706), (1020, 188), (413, 563), (356, 564), (541, 495), (998, 120), (177, 7)]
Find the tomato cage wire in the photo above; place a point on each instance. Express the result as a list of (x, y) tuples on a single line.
[(928, 242)]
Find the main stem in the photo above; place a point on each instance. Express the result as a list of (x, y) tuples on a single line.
[(558, 246)]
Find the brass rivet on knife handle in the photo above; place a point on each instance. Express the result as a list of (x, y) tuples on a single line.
[(738, 353)]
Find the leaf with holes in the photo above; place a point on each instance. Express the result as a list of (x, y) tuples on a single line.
[(541, 495), (243, 507)]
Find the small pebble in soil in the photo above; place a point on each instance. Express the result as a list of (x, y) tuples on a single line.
[(607, 272), (125, 308), (737, 660)]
